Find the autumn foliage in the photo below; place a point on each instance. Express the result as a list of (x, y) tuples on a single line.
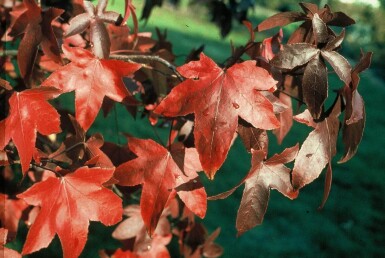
[(70, 178)]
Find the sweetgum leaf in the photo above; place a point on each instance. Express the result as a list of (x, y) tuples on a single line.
[(10, 214), (160, 172), (67, 205), (340, 65), (263, 176), (280, 20), (218, 97), (30, 113), (94, 18), (318, 149), (315, 86), (294, 55), (320, 29), (91, 79), (35, 24)]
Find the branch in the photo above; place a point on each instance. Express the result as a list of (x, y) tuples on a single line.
[(133, 58), (126, 58)]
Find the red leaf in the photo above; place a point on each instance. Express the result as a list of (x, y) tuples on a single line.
[(35, 24), (6, 252), (10, 214), (67, 205), (218, 97), (30, 113), (160, 172), (318, 149), (263, 176), (91, 79)]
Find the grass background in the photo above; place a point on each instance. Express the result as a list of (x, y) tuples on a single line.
[(352, 222)]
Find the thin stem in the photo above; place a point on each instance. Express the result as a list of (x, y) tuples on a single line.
[(133, 58), (46, 168), (116, 124), (68, 149), (287, 94)]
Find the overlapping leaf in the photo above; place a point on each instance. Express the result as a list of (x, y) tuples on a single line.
[(160, 172), (92, 79), (30, 113), (314, 19), (35, 24), (318, 149), (315, 77), (263, 176), (354, 120), (6, 252), (217, 97), (10, 214), (76, 150), (67, 205), (94, 18)]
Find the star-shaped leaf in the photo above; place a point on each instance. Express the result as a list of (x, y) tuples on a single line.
[(217, 97), (160, 171), (30, 113), (91, 79), (67, 205), (35, 24), (94, 18), (263, 176), (315, 76)]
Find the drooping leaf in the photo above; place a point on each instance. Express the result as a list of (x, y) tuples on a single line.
[(280, 20), (253, 138), (315, 86), (35, 24), (91, 79), (67, 205), (218, 97), (263, 176), (354, 120), (318, 149), (294, 55), (285, 118), (30, 113), (160, 172), (340, 65), (94, 18)]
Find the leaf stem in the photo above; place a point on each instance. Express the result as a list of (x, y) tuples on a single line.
[(68, 149)]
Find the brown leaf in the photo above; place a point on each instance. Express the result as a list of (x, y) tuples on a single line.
[(317, 150), (315, 86)]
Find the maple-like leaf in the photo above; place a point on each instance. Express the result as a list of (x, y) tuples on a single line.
[(10, 214), (35, 24), (354, 120), (263, 176), (30, 113), (92, 79), (217, 97), (315, 76), (318, 149), (311, 16), (4, 251), (94, 18), (67, 205), (160, 172)]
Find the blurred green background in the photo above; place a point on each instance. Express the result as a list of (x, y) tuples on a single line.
[(353, 220)]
